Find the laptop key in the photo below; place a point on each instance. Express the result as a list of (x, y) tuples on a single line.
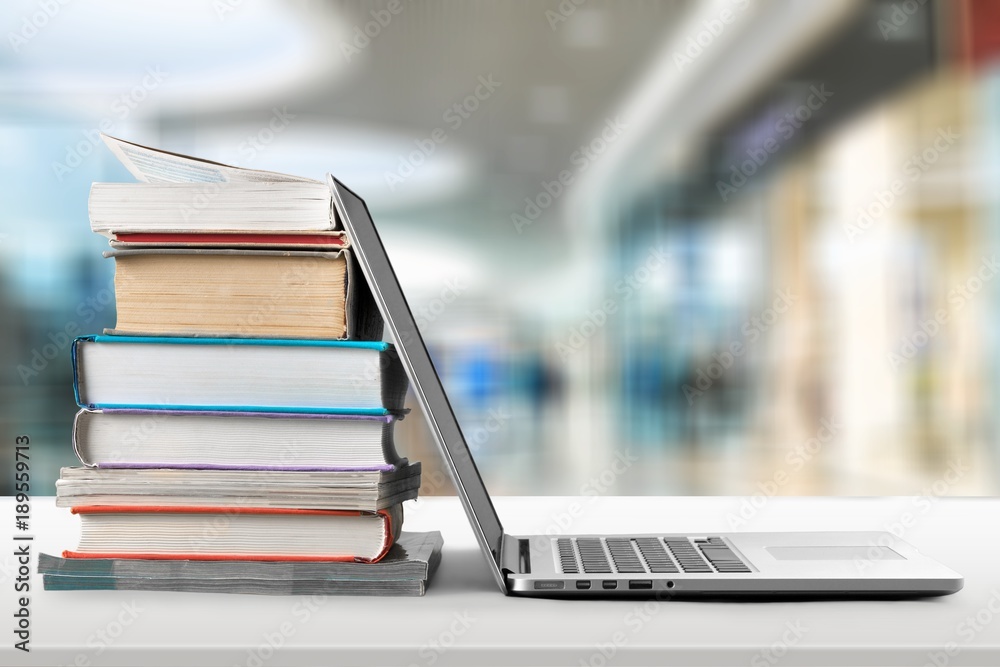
[(567, 559), (623, 554), (592, 555), (722, 557), (687, 555), (655, 556)]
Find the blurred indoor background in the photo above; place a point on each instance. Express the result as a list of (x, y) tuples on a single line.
[(726, 247)]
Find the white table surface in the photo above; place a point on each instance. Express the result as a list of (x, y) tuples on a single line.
[(465, 620)]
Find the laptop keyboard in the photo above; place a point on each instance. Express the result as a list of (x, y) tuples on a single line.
[(641, 555)]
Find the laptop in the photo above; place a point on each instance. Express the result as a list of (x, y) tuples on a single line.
[(659, 565)]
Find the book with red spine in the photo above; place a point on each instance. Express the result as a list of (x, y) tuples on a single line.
[(261, 241)]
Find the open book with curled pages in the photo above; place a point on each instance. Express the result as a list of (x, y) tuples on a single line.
[(207, 249), (186, 197)]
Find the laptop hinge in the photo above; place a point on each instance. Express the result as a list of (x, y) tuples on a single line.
[(515, 556)]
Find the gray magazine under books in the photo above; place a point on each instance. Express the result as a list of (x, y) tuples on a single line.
[(405, 570), (385, 588)]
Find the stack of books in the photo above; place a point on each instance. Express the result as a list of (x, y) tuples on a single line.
[(236, 426)]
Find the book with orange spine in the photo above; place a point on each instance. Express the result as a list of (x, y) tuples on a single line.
[(235, 533)]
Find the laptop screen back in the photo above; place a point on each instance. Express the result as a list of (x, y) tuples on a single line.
[(374, 262)]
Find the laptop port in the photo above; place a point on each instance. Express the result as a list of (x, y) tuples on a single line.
[(609, 584), (640, 584), (583, 585)]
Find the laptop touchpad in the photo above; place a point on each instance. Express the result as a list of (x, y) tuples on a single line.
[(834, 553)]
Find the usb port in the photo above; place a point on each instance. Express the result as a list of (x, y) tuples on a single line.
[(609, 585), (583, 585), (640, 583)]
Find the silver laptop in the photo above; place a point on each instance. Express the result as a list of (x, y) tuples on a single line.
[(794, 564)]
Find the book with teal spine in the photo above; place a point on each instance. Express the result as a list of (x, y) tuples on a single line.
[(237, 375)]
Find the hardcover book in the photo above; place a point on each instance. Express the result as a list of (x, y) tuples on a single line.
[(237, 374), (412, 556), (235, 533), (242, 293), (264, 240), (124, 438)]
